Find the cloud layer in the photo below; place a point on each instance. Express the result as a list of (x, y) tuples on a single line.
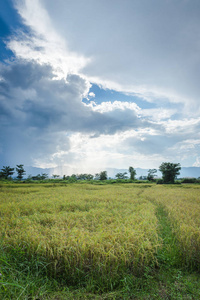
[(144, 48), (148, 47), (41, 112)]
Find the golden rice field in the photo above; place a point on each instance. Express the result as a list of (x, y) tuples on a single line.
[(99, 231)]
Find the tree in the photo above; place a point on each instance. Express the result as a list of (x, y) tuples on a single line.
[(44, 176), (89, 177), (7, 172), (20, 170), (169, 171), (72, 178), (151, 174), (121, 175), (84, 176), (132, 172), (1, 175), (97, 176), (103, 175), (55, 176), (143, 177)]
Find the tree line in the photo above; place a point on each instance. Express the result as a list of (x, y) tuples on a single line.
[(169, 171), (7, 172)]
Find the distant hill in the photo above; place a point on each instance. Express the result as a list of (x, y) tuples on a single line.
[(139, 172), (35, 171), (185, 171), (190, 172)]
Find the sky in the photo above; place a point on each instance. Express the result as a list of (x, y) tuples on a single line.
[(96, 84)]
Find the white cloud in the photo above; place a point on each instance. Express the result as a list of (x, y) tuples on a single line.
[(135, 50), (135, 47), (95, 154), (158, 114), (183, 127), (91, 94), (44, 44), (144, 53), (42, 112), (116, 105), (197, 162)]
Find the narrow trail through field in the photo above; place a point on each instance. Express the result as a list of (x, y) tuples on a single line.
[(168, 255)]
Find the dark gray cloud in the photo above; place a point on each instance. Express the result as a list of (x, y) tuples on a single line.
[(23, 75), (36, 100), (37, 112)]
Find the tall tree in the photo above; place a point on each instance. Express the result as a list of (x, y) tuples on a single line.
[(7, 172), (121, 175), (132, 172), (103, 175), (20, 171), (151, 174), (89, 177), (169, 171), (43, 176), (97, 176), (55, 176)]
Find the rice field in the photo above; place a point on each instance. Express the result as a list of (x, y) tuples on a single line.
[(182, 205), (100, 233)]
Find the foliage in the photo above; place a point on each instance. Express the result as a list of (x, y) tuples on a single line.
[(84, 176), (66, 177), (103, 175), (20, 171), (190, 180), (40, 177), (7, 172), (121, 175), (159, 181), (97, 176), (55, 176), (169, 171), (70, 179), (143, 177), (151, 174), (132, 172), (89, 177)]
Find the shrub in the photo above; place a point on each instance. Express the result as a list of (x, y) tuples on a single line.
[(159, 181), (189, 180)]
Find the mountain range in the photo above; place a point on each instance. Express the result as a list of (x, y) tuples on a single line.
[(185, 171)]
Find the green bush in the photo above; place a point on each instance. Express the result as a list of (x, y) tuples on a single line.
[(159, 181), (189, 180)]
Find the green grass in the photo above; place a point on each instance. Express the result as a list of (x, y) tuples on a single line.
[(84, 241), (168, 254), (27, 278)]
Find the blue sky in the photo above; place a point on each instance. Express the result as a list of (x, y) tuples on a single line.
[(9, 21), (93, 84), (103, 95)]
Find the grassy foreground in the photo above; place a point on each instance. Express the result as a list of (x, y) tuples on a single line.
[(83, 241)]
